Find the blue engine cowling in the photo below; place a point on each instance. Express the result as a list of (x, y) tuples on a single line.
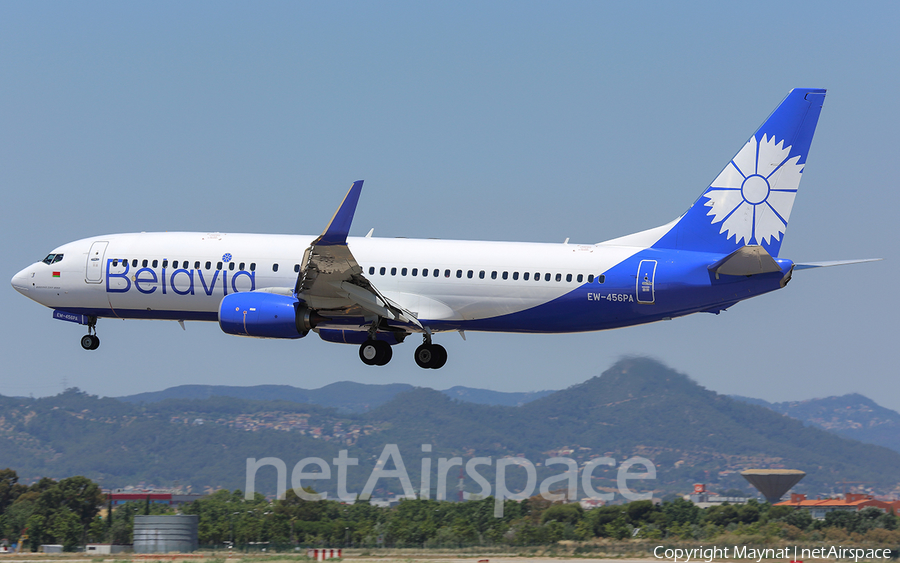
[(264, 315)]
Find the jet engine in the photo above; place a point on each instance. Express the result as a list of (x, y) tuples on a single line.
[(265, 315)]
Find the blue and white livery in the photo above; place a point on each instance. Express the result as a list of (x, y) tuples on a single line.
[(376, 292)]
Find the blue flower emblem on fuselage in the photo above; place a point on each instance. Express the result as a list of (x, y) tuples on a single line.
[(226, 257)]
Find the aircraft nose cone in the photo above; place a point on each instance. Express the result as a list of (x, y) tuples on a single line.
[(22, 281)]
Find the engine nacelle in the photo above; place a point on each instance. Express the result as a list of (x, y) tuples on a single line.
[(265, 315)]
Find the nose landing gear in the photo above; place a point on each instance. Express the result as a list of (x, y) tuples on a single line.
[(90, 341)]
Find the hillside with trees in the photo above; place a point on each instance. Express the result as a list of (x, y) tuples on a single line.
[(638, 407), (851, 416)]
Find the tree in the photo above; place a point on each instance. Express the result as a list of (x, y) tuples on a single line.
[(680, 511), (10, 489), (66, 529), (566, 513)]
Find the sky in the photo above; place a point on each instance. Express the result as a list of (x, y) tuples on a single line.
[(529, 121)]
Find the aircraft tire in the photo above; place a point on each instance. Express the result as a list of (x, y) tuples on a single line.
[(431, 356), (96, 343), (440, 356), (368, 352), (424, 356), (385, 353), (90, 342), (375, 352)]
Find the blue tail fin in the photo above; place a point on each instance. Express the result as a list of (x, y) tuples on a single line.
[(750, 202)]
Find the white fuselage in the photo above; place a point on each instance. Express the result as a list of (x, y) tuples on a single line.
[(184, 276)]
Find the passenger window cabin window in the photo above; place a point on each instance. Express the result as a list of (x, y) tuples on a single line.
[(437, 273), (175, 263), (371, 270), (424, 272), (231, 266), (165, 263), (559, 277), (494, 275), (546, 277), (218, 265), (580, 278), (505, 275), (515, 275), (241, 267), (446, 273), (134, 263), (470, 274), (274, 267), (601, 279), (537, 276), (296, 268), (394, 271), (525, 276), (415, 272), (403, 272), (459, 273), (252, 266), (481, 275), (590, 278), (208, 265), (197, 265), (144, 263), (115, 261), (568, 277), (381, 271), (156, 263)]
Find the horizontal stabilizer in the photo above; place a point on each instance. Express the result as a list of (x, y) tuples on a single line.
[(808, 265), (746, 261)]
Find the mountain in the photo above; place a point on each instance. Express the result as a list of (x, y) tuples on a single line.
[(345, 396), (638, 407), (852, 416)]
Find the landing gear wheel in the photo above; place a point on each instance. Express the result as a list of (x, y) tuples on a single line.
[(385, 353), (375, 352), (441, 358), (431, 356), (424, 356), (90, 342)]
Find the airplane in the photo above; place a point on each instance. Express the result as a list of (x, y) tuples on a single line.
[(375, 292)]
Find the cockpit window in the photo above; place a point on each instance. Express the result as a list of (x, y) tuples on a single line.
[(52, 258)]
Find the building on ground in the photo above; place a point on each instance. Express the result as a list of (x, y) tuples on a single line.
[(704, 499), (818, 508)]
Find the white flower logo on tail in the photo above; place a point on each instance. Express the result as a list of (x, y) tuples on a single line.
[(753, 196)]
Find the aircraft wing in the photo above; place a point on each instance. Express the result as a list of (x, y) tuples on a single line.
[(332, 281)]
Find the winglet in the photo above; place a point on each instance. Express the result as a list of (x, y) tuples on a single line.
[(337, 230)]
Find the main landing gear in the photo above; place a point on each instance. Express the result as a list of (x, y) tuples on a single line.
[(90, 341), (430, 356), (375, 352)]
